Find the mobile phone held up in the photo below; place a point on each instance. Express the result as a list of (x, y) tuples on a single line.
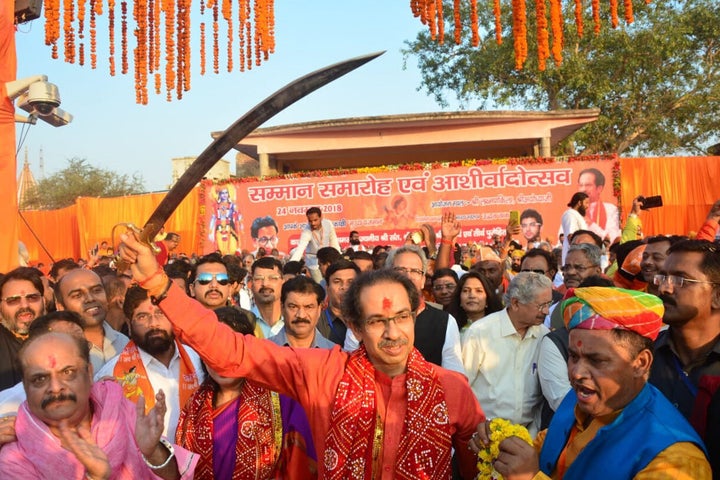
[(514, 218), (650, 202)]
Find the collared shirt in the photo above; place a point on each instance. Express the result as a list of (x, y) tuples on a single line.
[(318, 340), (113, 343), (332, 327), (502, 368), (313, 240), (312, 376), (268, 331), (165, 378), (679, 382)]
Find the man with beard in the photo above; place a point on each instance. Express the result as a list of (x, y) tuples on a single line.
[(153, 360), (612, 424), (339, 276), (265, 283), (21, 302), (574, 219), (301, 299), (500, 352), (81, 291), (355, 242), (70, 427), (687, 354)]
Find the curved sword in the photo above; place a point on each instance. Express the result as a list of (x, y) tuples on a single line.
[(243, 126)]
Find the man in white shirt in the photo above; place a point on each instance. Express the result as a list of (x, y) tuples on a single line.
[(154, 360), (500, 352), (316, 234), (266, 282), (574, 219)]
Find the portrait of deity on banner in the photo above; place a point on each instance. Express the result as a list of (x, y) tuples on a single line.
[(225, 220)]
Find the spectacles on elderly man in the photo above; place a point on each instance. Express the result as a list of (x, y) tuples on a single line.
[(14, 300), (380, 324)]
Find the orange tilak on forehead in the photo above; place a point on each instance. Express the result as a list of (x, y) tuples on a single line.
[(387, 303)]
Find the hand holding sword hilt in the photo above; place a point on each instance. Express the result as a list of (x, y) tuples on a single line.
[(122, 265)]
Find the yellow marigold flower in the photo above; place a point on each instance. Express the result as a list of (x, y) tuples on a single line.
[(500, 429)]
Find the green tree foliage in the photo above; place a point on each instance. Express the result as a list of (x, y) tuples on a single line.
[(655, 81), (79, 179)]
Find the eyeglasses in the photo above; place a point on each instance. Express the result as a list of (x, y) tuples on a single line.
[(537, 270), (379, 324), (206, 278), (531, 225), (144, 317), (262, 278), (410, 272), (542, 307), (676, 281), (14, 300), (578, 268), (265, 240), (444, 286)]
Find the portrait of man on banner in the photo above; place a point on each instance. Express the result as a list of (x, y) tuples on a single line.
[(225, 226), (602, 217)]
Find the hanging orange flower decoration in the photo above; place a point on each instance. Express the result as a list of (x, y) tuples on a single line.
[(162, 33), (430, 14), (542, 34)]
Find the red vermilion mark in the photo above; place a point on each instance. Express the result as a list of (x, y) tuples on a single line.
[(52, 361), (579, 343), (387, 303)]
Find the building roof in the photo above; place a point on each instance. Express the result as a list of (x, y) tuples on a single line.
[(424, 137)]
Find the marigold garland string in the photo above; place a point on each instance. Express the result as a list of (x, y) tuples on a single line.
[(430, 14), (156, 36), (542, 34)]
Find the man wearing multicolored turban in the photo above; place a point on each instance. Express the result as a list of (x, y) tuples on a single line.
[(612, 424)]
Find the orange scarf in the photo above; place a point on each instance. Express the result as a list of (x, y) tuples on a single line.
[(356, 436), (132, 376)]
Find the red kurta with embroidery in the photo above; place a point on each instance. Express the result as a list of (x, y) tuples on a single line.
[(311, 376)]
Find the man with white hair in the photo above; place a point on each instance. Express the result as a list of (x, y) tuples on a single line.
[(500, 353)]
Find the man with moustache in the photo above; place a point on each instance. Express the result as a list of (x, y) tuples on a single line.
[(444, 281), (422, 410), (265, 283), (153, 360), (72, 428), (338, 278), (613, 423), (687, 354), (500, 352), (81, 291), (318, 233), (301, 299), (21, 302), (574, 219)]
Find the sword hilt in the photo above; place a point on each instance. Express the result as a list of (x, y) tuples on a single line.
[(122, 265)]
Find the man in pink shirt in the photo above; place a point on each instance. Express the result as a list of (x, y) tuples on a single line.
[(380, 412)]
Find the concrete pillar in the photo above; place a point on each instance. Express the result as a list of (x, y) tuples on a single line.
[(545, 150)]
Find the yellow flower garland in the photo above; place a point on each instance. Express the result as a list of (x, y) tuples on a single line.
[(500, 429)]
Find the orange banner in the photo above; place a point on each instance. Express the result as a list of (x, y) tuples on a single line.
[(383, 206)]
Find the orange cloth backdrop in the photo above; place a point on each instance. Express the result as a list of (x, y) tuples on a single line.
[(8, 165), (73, 231), (688, 186)]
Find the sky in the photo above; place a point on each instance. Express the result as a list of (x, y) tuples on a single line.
[(111, 131)]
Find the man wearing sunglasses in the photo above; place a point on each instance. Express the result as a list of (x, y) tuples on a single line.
[(21, 302), (209, 282), (687, 355)]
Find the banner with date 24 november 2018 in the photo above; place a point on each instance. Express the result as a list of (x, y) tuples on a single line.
[(383, 206)]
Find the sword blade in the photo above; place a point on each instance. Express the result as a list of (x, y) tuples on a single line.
[(243, 126)]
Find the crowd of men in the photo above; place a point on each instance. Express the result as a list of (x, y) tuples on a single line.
[(372, 362)]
